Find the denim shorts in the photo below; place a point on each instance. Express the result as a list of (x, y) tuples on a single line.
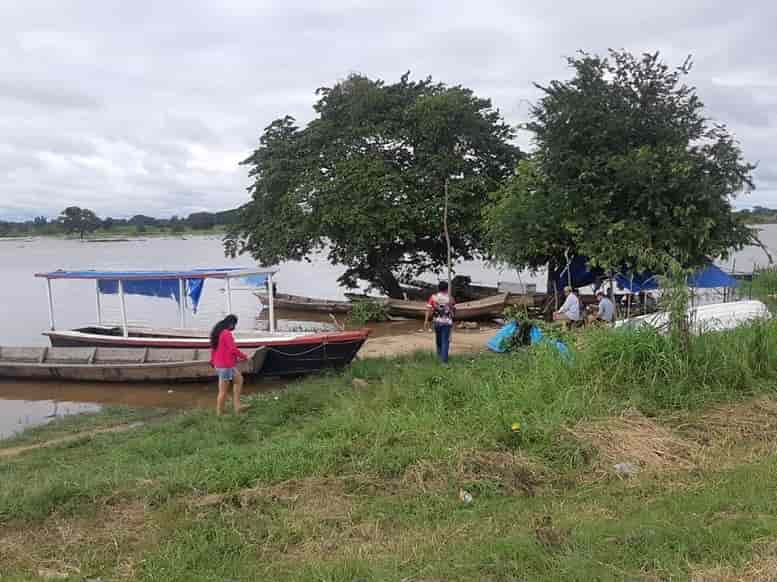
[(226, 373)]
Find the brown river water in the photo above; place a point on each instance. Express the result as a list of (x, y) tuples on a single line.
[(24, 312)]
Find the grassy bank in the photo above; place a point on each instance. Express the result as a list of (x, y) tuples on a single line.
[(328, 481)]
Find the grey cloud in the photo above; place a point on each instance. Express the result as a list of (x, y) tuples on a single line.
[(147, 106), (46, 95)]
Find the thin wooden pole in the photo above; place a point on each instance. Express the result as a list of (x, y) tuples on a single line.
[(228, 294), (124, 327), (51, 304), (447, 235), (99, 303), (271, 306), (182, 302)]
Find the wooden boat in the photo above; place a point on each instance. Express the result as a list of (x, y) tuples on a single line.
[(287, 352), (300, 303), (479, 309), (292, 353), (117, 365)]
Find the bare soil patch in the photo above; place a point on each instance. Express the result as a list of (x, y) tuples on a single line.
[(762, 568), (57, 547), (636, 439), (14, 451), (463, 341)]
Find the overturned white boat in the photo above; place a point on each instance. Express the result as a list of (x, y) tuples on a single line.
[(704, 318)]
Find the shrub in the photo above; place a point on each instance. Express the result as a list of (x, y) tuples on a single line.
[(365, 311)]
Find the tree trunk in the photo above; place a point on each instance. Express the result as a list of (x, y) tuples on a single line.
[(388, 283)]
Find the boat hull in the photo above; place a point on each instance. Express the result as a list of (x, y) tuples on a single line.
[(111, 365), (286, 355), (470, 310), (310, 304)]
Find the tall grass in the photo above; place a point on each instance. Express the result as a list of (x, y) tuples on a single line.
[(657, 372), (764, 287)]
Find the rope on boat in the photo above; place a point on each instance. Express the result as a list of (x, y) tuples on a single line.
[(305, 353)]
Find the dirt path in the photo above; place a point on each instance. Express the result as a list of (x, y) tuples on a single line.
[(14, 451), (463, 341)]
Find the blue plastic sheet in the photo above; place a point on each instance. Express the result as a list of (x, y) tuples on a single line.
[(164, 287), (498, 342)]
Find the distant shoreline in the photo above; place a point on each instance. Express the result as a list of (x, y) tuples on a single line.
[(98, 236)]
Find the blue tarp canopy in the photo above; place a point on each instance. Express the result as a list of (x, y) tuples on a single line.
[(164, 284), (577, 274), (580, 275), (711, 277), (638, 282)]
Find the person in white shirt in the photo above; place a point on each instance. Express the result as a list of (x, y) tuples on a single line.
[(570, 310)]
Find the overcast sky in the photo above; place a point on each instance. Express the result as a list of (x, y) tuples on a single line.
[(134, 106)]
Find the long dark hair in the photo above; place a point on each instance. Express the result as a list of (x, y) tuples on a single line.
[(229, 322)]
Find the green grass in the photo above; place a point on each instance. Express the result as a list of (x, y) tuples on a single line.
[(362, 483), (70, 425)]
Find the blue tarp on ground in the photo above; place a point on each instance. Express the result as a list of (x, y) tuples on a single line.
[(498, 342)]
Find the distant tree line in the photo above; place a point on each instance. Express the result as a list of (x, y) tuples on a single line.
[(82, 221), (759, 215)]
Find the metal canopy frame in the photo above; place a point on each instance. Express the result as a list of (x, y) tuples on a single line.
[(180, 276)]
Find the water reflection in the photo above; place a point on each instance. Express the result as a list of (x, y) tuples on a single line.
[(18, 415), (27, 404)]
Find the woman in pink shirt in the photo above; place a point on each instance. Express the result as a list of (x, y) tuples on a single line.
[(224, 357)]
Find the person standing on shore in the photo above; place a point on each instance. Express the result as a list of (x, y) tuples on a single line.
[(224, 357), (441, 307)]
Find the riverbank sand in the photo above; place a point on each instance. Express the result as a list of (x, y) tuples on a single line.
[(463, 341)]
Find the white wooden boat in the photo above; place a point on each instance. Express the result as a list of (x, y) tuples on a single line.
[(704, 318), (288, 352), (116, 364)]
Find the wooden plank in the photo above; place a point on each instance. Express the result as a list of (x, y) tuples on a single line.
[(68, 355), (18, 354)]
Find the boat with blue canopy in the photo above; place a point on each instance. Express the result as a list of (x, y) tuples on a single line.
[(287, 352)]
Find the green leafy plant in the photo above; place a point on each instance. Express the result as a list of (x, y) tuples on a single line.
[(764, 287), (675, 299), (366, 311)]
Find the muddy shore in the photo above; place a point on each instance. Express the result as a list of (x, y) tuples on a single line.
[(387, 340)]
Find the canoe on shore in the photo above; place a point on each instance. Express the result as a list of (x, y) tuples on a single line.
[(116, 364), (480, 309), (287, 352), (310, 304)]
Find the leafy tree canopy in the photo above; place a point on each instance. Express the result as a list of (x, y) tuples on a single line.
[(626, 171), (80, 220), (365, 179)]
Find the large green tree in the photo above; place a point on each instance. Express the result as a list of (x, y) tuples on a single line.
[(627, 171), (365, 180), (80, 220)]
